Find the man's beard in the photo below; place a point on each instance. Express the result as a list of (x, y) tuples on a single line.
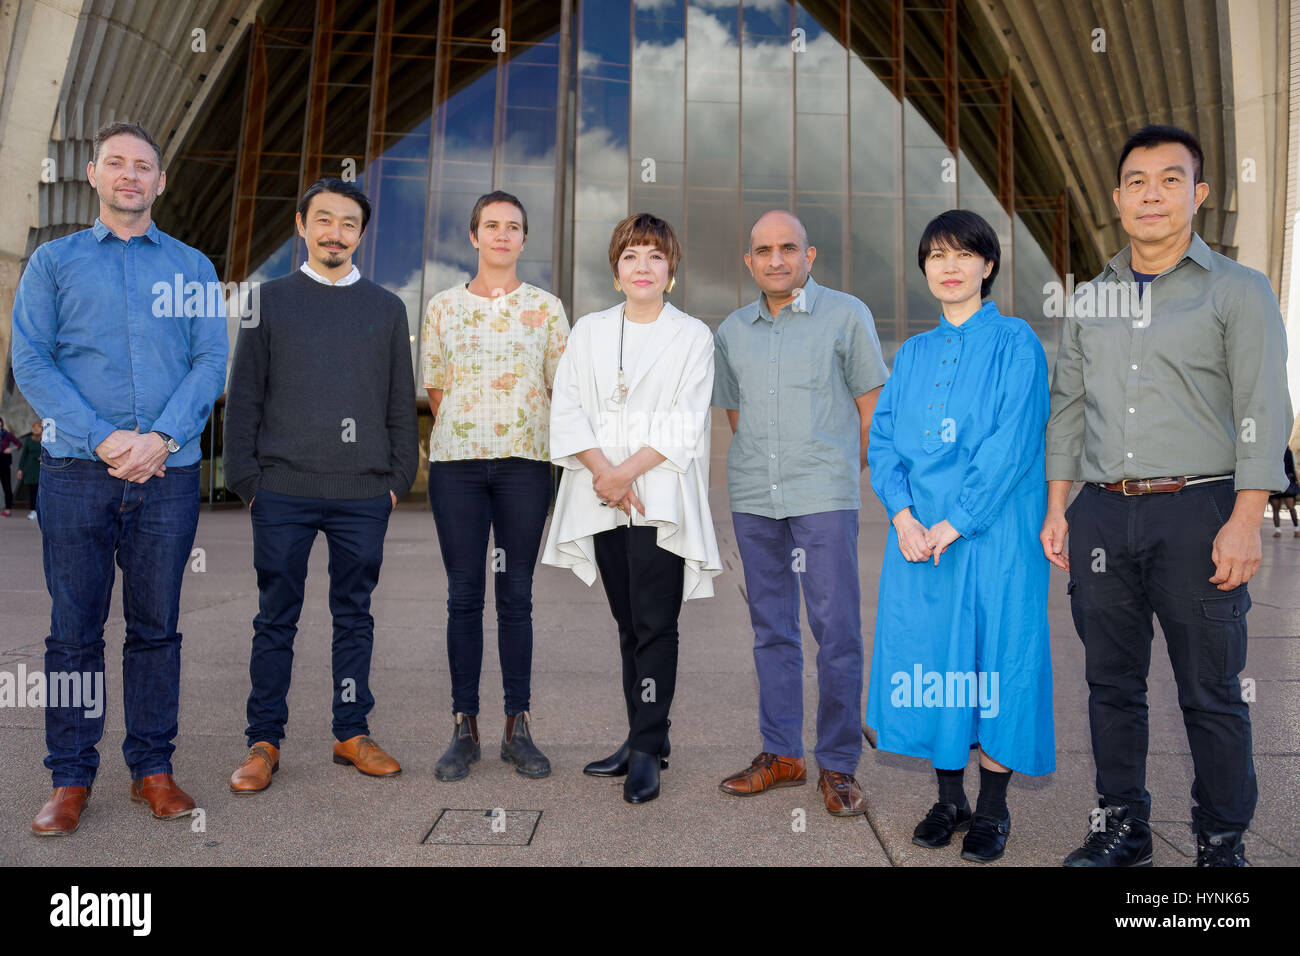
[(333, 258)]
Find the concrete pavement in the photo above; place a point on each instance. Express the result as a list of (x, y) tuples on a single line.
[(319, 813)]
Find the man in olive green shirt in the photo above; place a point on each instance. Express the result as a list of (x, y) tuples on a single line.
[(1170, 402)]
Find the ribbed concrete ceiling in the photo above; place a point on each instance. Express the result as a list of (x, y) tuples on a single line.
[(1164, 61)]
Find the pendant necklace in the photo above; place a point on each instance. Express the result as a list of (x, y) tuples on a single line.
[(619, 397)]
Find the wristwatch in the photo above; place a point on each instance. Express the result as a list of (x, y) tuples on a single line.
[(172, 446)]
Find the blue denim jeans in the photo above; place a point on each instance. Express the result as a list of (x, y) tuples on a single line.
[(88, 520), (510, 497), (829, 544), (284, 529)]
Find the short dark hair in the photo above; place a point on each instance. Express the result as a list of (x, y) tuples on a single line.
[(1157, 135), (962, 229), (488, 199), (131, 129), (340, 187), (643, 229)]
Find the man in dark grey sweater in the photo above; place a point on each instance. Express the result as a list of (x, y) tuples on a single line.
[(320, 435)]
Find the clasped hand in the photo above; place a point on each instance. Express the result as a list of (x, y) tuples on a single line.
[(919, 543), (615, 488), (132, 456)]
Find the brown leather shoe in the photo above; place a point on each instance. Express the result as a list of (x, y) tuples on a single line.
[(842, 794), (61, 814), (766, 772), (254, 773), (366, 755), (165, 798)]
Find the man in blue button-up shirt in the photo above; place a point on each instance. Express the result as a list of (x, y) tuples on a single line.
[(119, 343), (799, 372)]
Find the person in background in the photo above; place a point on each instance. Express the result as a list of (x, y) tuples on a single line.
[(9, 444), (29, 469), (1286, 497), (488, 353), (630, 427)]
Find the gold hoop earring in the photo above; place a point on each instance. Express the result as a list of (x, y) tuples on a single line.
[(617, 287), (671, 282)]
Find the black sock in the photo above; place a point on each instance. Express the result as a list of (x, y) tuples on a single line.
[(992, 801), (951, 788)]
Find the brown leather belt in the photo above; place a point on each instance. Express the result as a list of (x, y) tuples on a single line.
[(1146, 486)]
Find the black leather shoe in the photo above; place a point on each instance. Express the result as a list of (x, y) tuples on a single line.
[(464, 750), (1220, 848), (642, 783), (987, 839), (517, 747), (940, 824), (1125, 840), (615, 765)]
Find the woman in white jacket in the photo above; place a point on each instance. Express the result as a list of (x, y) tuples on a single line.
[(630, 427)]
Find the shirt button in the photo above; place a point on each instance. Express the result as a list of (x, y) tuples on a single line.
[(771, 391), (1130, 454), (771, 423), (927, 431), (1133, 367), (774, 487), (773, 454), (1132, 410), (773, 358)]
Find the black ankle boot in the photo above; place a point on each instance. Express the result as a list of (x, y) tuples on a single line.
[(940, 824), (517, 747), (1220, 848), (615, 765), (464, 750), (642, 783), (1123, 840)]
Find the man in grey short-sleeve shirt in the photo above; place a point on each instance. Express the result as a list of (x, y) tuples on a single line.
[(799, 372)]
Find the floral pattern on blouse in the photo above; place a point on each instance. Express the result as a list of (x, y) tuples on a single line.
[(494, 360)]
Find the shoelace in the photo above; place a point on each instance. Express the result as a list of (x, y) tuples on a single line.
[(1106, 839), (763, 761), (259, 752), (840, 781), (1221, 855)]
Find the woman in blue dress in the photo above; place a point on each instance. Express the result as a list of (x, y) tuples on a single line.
[(961, 656)]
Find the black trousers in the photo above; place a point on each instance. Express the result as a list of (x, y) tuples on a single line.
[(1129, 557), (6, 480), (644, 585)]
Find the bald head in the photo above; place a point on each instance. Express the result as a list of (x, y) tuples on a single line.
[(777, 224), (779, 256)]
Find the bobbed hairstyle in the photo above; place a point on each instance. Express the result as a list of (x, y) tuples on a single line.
[(962, 229), (643, 229)]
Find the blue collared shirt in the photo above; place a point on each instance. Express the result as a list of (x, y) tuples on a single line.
[(795, 380), (114, 335)]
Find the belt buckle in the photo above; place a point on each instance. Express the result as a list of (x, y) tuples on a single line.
[(1123, 487)]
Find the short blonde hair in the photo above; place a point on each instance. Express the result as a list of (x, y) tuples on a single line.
[(643, 229)]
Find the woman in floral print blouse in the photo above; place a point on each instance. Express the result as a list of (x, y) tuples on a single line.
[(488, 353)]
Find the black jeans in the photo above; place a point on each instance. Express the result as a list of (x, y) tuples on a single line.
[(1130, 556), (6, 480), (469, 498), (644, 585)]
